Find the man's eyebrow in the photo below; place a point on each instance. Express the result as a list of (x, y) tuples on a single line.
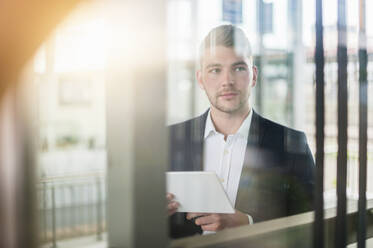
[(212, 65), (239, 63)]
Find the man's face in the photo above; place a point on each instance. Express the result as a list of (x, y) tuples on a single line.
[(227, 79)]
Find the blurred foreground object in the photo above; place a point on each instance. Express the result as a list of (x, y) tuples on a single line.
[(24, 24)]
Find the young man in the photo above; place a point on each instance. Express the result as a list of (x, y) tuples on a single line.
[(266, 169)]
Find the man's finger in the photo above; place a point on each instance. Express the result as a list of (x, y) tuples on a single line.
[(204, 220), (169, 196), (172, 205), (211, 227), (194, 215)]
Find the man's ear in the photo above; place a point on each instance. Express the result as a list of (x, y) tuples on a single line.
[(254, 76), (200, 79)]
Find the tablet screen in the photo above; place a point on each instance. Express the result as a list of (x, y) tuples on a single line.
[(198, 192)]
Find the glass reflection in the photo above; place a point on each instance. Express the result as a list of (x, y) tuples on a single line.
[(266, 169)]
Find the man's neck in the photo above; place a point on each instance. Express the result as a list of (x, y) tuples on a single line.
[(228, 123)]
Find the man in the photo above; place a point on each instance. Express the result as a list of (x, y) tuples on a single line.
[(266, 169)]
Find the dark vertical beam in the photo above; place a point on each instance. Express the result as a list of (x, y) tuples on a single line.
[(290, 106), (99, 228), (318, 228), (54, 237), (363, 121), (340, 237)]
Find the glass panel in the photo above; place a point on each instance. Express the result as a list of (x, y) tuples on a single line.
[(69, 78), (282, 37), (223, 103), (252, 170)]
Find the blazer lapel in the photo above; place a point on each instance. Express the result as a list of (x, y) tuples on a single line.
[(197, 135)]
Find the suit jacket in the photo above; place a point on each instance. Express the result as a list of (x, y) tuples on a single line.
[(277, 177)]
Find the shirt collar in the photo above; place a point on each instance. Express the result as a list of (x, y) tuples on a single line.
[(209, 127), (242, 131)]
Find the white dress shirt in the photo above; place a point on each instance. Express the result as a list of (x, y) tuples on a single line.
[(226, 157)]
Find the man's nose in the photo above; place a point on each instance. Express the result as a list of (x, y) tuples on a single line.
[(228, 77)]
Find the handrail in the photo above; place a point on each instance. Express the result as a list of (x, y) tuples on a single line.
[(294, 231), (71, 177)]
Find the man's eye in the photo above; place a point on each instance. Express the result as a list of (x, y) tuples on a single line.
[(241, 68), (215, 70)]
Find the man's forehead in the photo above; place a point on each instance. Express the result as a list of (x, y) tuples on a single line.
[(223, 50), (223, 54)]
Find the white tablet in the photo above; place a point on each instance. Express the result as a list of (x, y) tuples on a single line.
[(198, 192)]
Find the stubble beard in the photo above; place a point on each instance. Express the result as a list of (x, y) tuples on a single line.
[(225, 108)]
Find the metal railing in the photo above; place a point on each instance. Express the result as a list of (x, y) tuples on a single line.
[(70, 207)]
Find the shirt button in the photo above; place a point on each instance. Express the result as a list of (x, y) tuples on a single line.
[(221, 179), (226, 151)]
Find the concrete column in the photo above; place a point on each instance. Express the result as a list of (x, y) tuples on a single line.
[(136, 119)]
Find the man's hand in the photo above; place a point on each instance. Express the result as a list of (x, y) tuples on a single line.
[(171, 204), (217, 222)]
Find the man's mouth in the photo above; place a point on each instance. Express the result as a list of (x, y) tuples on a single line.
[(228, 95)]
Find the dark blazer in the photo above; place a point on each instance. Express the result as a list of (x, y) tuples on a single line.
[(277, 177)]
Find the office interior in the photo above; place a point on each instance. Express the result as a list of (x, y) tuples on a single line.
[(91, 79)]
